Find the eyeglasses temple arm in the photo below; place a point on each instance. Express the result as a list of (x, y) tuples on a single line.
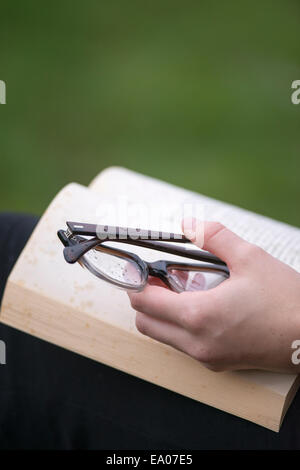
[(111, 233), (199, 255), (73, 252)]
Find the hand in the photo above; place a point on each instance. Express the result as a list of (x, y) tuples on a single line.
[(248, 321)]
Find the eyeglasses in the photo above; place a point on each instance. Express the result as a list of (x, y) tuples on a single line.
[(127, 270)]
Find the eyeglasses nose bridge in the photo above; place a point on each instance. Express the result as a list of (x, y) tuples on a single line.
[(158, 268)]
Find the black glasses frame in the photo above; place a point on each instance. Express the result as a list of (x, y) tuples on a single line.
[(76, 246)]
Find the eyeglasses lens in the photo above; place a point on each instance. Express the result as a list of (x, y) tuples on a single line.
[(116, 269), (184, 280)]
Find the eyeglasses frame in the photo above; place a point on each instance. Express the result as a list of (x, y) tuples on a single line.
[(75, 246)]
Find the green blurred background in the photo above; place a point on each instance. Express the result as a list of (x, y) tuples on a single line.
[(197, 93)]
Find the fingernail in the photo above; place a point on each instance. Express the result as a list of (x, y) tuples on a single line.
[(189, 228)]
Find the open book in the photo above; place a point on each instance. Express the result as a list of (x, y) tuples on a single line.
[(68, 306)]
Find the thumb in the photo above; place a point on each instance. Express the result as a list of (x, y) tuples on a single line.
[(217, 239)]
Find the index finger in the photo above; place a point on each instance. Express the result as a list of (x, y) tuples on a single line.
[(167, 305)]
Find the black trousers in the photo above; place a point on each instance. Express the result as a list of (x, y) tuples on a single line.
[(51, 398)]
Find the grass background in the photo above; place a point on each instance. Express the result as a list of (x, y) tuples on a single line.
[(196, 93)]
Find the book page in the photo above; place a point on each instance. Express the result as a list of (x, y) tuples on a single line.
[(119, 185)]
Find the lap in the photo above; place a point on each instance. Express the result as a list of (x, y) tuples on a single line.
[(53, 398)]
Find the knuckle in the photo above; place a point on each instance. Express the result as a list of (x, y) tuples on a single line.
[(207, 356), (202, 353), (218, 227), (191, 318), (250, 250), (197, 315), (214, 229)]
